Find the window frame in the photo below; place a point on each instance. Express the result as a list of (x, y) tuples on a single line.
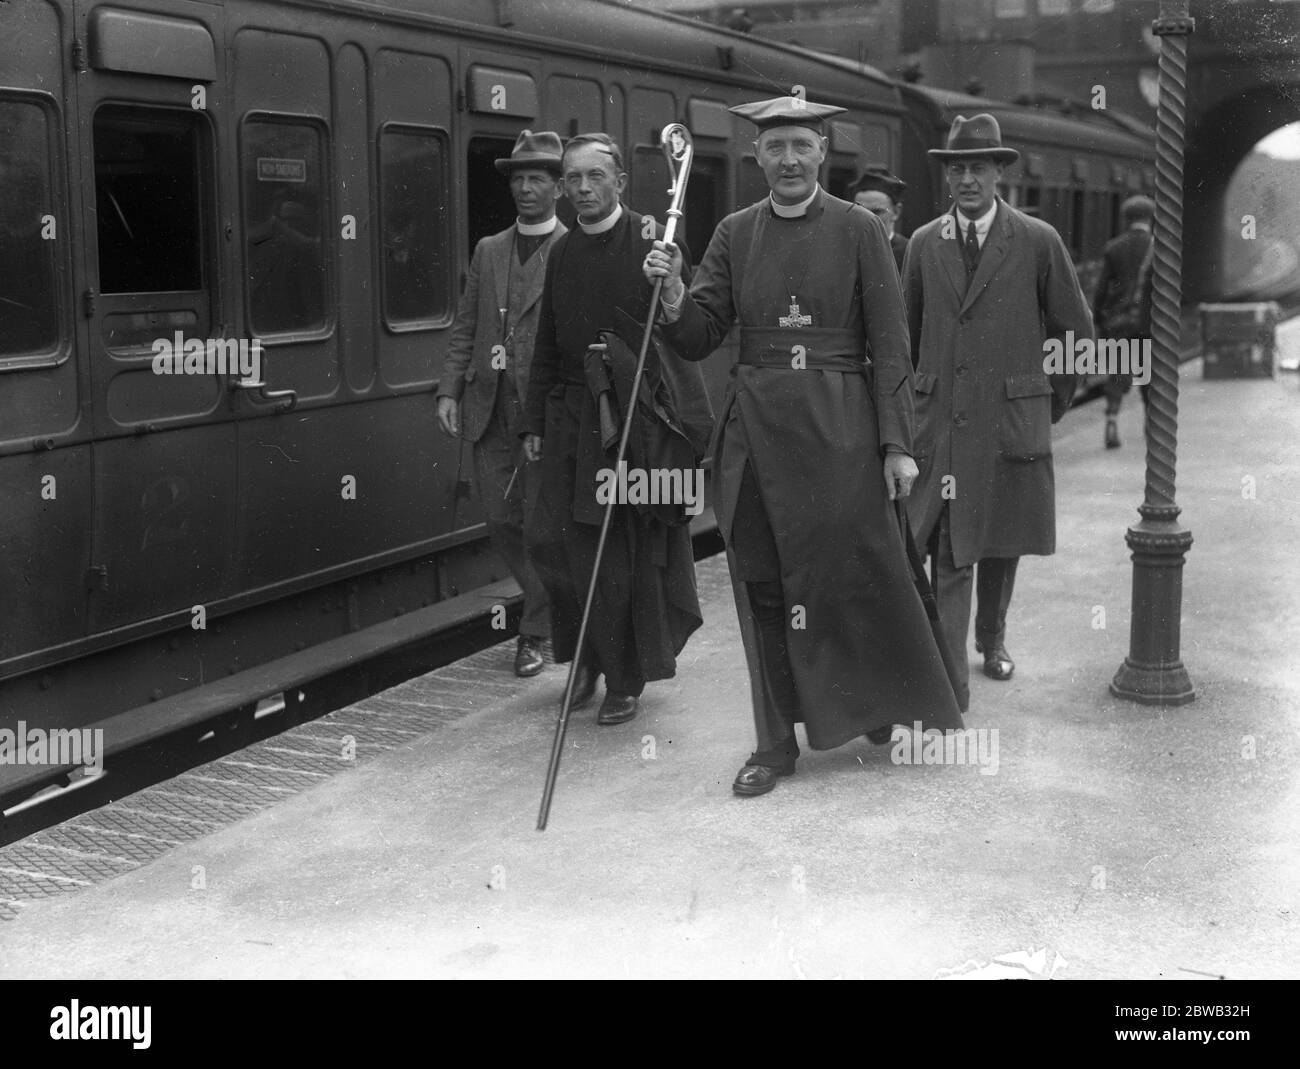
[(328, 248), (61, 350), (440, 322)]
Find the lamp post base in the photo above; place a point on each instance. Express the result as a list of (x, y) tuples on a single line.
[(1153, 684), (1153, 672)]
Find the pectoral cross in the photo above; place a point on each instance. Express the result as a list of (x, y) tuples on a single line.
[(794, 319)]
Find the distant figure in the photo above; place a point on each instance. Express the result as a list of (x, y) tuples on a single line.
[(1117, 306), (881, 193), (985, 287), (283, 275), (485, 375), (739, 20)]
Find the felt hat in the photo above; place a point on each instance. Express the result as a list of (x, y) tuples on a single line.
[(976, 136), (540, 150)]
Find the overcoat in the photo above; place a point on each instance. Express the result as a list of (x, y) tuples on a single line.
[(984, 404), (467, 372), (814, 434)]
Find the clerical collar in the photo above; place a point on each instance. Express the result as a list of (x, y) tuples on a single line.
[(605, 224), (982, 225), (535, 230), (793, 211)]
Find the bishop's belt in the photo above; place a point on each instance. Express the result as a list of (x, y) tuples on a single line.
[(824, 348)]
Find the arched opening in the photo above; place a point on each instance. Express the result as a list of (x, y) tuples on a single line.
[(1219, 144), (1261, 225)]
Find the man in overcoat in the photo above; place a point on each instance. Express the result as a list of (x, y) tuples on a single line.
[(485, 373), (645, 604), (985, 287), (811, 450)]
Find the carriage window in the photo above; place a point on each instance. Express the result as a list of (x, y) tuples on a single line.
[(753, 186), (706, 202), (149, 199), (648, 190), (28, 282), (284, 224), (416, 229), (491, 207), (838, 180)]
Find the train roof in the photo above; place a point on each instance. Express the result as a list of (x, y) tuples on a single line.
[(1019, 121), (613, 30)]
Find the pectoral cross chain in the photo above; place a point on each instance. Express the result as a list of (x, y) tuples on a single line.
[(795, 319)]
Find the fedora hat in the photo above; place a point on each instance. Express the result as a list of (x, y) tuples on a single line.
[(541, 150), (976, 136)]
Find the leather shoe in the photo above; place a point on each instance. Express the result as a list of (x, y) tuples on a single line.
[(616, 709), (1112, 435), (584, 686), (997, 661), (759, 779), (528, 656), (881, 735)]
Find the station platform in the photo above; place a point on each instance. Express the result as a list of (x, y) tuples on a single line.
[(1114, 840)]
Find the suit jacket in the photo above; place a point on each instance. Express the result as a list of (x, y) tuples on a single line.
[(984, 405), (467, 371), (1120, 265)]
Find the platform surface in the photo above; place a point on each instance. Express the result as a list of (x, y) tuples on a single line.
[(1115, 840)]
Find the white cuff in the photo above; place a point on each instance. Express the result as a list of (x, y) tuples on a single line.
[(673, 311)]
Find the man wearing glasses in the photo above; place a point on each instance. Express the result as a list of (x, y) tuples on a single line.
[(985, 286), (881, 193)]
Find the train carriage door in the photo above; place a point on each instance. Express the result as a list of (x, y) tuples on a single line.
[(45, 450), (501, 97), (149, 93)]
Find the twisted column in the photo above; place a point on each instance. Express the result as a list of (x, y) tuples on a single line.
[(1153, 672)]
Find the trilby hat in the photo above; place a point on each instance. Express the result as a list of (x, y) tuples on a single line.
[(541, 150), (976, 136)]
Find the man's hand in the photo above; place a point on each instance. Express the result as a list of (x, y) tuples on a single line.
[(665, 261), (533, 446), (449, 415), (900, 473)]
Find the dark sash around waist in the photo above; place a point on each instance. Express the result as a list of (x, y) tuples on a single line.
[(825, 348)]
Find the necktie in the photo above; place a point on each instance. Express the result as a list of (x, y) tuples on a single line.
[(972, 248)]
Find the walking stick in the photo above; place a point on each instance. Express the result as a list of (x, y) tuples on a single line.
[(676, 142)]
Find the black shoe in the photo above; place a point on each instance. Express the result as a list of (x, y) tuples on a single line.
[(1112, 435), (759, 779), (616, 709), (997, 662), (528, 656), (584, 686), (881, 736)]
